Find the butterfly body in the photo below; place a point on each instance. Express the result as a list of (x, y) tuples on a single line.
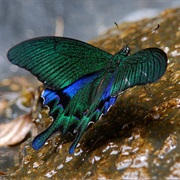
[(82, 82)]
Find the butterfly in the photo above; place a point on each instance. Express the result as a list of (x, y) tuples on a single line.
[(81, 81)]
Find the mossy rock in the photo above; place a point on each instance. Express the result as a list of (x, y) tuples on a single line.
[(140, 136)]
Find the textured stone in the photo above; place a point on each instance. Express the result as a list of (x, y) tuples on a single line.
[(140, 136)]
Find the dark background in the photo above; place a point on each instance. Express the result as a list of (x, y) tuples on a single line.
[(83, 20)]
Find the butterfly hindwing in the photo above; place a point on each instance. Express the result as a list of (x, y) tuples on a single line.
[(74, 111)]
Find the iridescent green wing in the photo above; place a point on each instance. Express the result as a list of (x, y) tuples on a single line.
[(145, 66), (58, 61), (74, 107)]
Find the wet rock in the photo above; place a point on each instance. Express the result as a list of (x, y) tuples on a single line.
[(140, 136)]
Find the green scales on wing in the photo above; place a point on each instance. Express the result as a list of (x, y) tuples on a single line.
[(82, 81)]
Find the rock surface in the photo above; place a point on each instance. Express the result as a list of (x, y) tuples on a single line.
[(140, 136)]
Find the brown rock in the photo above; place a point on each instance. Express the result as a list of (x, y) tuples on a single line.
[(140, 136)]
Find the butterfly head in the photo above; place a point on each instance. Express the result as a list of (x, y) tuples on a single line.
[(126, 50)]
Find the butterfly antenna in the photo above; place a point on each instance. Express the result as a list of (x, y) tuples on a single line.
[(152, 31), (118, 28), (116, 24)]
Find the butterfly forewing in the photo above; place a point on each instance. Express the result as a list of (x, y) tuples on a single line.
[(58, 61), (145, 66)]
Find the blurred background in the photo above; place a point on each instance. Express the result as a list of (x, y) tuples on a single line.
[(79, 19)]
